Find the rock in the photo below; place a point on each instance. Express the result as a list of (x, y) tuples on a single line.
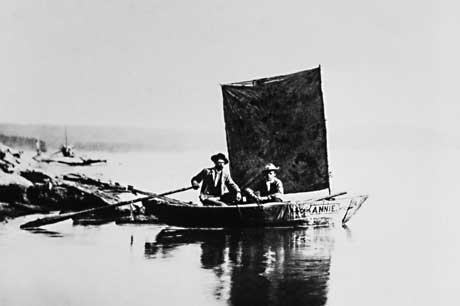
[(83, 179), (29, 208), (9, 210), (9, 158), (13, 188), (14, 179), (25, 189), (137, 219), (36, 176)]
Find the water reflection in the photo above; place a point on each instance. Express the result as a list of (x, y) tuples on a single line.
[(282, 266), (38, 230)]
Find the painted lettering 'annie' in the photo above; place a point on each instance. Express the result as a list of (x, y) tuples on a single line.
[(320, 209)]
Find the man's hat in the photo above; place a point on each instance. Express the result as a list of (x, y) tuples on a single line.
[(271, 167), (219, 156)]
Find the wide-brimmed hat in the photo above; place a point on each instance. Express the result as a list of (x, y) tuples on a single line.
[(271, 167), (219, 156)]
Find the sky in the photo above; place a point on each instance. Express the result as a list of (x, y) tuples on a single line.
[(158, 64), (388, 70)]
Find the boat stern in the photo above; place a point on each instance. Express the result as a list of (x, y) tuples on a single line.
[(354, 205)]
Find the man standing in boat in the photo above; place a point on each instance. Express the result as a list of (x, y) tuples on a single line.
[(218, 188), (269, 190)]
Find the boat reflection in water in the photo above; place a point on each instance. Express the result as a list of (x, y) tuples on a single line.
[(278, 266)]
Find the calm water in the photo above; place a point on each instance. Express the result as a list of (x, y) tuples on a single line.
[(400, 249)]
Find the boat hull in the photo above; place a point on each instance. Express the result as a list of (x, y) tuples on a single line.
[(305, 213)]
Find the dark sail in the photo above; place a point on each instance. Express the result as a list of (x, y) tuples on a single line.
[(279, 120)]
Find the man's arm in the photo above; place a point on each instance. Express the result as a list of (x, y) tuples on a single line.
[(231, 185), (197, 179), (278, 191)]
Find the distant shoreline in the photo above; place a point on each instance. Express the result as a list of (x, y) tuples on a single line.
[(109, 139), (21, 142)]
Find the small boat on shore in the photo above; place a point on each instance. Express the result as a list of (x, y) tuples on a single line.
[(66, 156), (69, 160), (271, 120)]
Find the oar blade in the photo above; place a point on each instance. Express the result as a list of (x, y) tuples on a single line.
[(45, 221)]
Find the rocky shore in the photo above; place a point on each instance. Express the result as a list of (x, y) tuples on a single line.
[(26, 189)]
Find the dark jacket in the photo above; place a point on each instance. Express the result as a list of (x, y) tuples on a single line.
[(276, 189), (224, 183)]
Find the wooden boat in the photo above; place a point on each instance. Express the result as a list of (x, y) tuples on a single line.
[(301, 213), (272, 120)]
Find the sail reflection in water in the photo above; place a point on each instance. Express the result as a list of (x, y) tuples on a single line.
[(279, 266)]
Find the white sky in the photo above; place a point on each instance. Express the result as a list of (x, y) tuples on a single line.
[(159, 63)]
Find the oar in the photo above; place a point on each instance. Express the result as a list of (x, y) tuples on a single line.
[(54, 219), (328, 197), (134, 190)]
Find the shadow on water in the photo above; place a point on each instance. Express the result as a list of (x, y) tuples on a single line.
[(53, 234), (283, 266), (41, 231)]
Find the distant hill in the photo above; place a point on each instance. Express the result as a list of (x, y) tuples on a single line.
[(113, 138), (96, 138)]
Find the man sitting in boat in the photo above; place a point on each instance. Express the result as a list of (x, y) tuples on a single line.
[(218, 188), (269, 190)]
